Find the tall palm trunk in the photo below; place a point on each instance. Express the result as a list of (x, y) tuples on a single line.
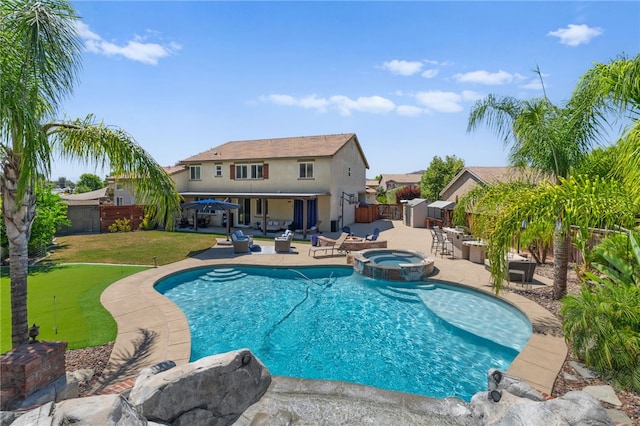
[(561, 242), (18, 217)]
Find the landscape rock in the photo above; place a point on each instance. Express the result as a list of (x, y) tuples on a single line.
[(604, 393), (574, 408), (499, 380), (224, 385), (107, 410), (7, 417), (65, 387)]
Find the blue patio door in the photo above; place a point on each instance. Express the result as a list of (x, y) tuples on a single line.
[(244, 212), (298, 212)]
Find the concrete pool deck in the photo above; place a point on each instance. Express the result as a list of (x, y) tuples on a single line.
[(151, 329)]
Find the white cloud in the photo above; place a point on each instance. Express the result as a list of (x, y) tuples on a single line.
[(575, 35), (533, 84), (486, 77), (404, 68), (371, 104), (279, 99), (344, 104), (470, 95), (136, 49), (430, 73), (410, 110), (440, 101)]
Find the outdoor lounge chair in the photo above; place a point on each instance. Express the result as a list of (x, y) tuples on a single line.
[(373, 236), (283, 243), (330, 245)]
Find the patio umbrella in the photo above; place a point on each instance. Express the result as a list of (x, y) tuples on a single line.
[(210, 205)]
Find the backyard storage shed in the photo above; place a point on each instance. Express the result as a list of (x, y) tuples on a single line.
[(439, 213), (415, 212), (84, 212)]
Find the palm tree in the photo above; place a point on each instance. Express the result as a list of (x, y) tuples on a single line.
[(540, 136), (39, 59), (614, 88), (554, 140)]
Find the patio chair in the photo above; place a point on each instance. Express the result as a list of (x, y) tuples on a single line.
[(240, 235), (443, 244), (241, 242), (434, 239), (330, 245), (283, 242), (373, 236)]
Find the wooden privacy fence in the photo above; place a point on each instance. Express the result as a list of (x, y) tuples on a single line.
[(367, 214), (390, 211), (109, 214)]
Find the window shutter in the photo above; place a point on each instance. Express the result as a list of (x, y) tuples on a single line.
[(265, 171), (232, 172)]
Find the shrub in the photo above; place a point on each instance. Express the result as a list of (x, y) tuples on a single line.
[(602, 323), (120, 225)]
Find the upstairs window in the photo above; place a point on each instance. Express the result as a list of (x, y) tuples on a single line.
[(249, 171), (241, 171), (305, 170), (194, 172), (218, 170)]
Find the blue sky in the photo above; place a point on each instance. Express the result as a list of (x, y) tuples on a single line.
[(183, 77)]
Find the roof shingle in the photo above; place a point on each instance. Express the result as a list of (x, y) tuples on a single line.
[(294, 147)]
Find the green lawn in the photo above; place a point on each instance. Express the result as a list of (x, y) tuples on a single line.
[(130, 248), (80, 318)]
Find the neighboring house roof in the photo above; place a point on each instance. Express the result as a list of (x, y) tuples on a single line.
[(172, 170), (86, 196), (493, 175), (294, 147), (372, 183), (407, 178), (82, 202)]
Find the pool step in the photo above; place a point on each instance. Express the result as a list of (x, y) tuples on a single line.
[(223, 274)]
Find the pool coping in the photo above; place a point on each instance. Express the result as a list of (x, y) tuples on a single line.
[(152, 329)]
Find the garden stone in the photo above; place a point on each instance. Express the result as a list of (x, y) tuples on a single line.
[(604, 393), (224, 385), (499, 380), (107, 410), (65, 387), (583, 370), (574, 408), (7, 417)]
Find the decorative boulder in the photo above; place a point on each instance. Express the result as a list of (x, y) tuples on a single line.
[(107, 410), (217, 388), (500, 407), (500, 380)]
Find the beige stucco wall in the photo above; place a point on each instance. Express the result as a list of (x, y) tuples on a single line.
[(465, 183), (181, 179), (348, 174)]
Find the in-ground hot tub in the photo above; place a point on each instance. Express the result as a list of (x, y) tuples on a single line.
[(393, 265)]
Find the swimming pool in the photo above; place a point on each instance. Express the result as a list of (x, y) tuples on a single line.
[(329, 323)]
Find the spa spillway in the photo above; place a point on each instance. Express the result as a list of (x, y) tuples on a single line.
[(393, 265)]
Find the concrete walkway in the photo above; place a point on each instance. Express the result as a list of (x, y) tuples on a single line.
[(152, 329)]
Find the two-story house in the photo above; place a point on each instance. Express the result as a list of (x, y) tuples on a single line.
[(288, 182), (391, 181)]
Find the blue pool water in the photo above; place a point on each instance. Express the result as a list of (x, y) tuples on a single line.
[(326, 323)]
